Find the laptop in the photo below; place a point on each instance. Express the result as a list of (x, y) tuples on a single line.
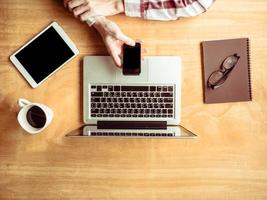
[(143, 106)]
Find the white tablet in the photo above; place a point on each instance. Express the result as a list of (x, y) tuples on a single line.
[(46, 53)]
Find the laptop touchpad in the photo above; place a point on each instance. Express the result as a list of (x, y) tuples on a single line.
[(141, 78)]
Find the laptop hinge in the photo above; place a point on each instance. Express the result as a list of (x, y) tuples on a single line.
[(132, 125)]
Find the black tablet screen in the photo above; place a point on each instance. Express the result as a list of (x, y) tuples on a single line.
[(44, 54)]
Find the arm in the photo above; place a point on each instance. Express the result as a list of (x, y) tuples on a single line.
[(110, 32), (165, 10)]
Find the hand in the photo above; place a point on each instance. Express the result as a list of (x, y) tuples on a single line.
[(113, 38), (87, 8)]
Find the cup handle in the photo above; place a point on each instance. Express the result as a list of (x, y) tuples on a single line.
[(23, 102)]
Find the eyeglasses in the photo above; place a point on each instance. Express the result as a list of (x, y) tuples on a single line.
[(218, 77)]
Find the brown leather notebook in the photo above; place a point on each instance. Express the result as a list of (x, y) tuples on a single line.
[(226, 70)]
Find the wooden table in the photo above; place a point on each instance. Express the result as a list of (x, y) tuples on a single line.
[(227, 161)]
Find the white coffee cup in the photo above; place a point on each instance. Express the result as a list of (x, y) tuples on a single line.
[(25, 105)]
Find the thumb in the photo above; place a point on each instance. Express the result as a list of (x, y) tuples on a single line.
[(129, 41)]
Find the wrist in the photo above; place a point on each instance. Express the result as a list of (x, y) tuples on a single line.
[(99, 25)]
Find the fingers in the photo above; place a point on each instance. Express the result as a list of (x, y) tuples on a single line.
[(71, 4), (114, 50), (84, 16), (120, 36), (116, 58), (80, 9)]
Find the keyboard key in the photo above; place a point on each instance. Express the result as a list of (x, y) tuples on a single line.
[(105, 94), (144, 105), (159, 88), (160, 100), (125, 100), (110, 88), (117, 94), (137, 100), (152, 88), (117, 88), (166, 94), (133, 105), (134, 88), (168, 100), (170, 111), (97, 94), (103, 100), (99, 88), (165, 88), (95, 100), (93, 105), (107, 111), (170, 88), (168, 105)]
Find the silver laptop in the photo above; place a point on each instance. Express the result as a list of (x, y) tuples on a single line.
[(143, 106)]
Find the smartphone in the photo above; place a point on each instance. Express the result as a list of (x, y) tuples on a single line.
[(131, 59)]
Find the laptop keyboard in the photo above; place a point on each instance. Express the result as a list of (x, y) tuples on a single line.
[(120, 101)]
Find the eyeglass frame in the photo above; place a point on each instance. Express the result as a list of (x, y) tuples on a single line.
[(226, 72)]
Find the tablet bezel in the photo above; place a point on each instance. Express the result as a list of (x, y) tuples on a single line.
[(25, 73)]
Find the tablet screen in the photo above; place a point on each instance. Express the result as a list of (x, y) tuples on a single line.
[(44, 54)]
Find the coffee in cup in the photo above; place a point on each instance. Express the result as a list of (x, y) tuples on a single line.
[(34, 117)]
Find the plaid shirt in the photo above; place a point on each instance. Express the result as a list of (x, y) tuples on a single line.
[(165, 9)]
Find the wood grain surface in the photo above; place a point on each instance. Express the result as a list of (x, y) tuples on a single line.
[(227, 161)]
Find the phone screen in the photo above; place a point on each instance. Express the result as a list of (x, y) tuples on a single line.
[(132, 59)]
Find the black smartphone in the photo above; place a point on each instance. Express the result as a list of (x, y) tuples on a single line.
[(131, 59)]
